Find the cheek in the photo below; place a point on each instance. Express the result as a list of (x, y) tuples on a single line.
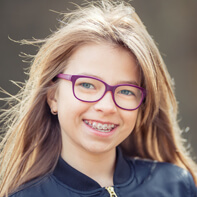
[(130, 119), (65, 97), (70, 109)]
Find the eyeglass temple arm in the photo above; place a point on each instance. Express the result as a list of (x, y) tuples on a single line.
[(65, 76)]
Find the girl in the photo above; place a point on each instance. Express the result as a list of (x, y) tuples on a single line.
[(97, 116)]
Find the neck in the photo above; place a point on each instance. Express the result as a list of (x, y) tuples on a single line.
[(98, 166)]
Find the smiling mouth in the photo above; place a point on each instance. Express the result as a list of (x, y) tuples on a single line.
[(105, 128)]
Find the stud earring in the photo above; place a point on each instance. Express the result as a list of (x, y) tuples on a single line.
[(53, 112)]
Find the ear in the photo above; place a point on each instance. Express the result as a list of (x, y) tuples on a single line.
[(52, 99)]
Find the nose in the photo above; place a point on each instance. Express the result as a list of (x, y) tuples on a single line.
[(106, 104)]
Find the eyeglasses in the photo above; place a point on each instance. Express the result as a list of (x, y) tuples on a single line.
[(90, 89)]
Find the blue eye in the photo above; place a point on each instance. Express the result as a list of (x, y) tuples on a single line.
[(127, 92), (87, 85)]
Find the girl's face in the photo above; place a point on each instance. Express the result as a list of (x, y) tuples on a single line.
[(114, 65)]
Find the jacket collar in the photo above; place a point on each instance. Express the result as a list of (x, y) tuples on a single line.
[(79, 181)]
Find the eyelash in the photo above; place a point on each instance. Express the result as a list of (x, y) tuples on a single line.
[(85, 85)]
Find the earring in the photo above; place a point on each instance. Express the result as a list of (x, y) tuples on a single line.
[(53, 112)]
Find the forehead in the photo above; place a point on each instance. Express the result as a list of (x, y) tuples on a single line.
[(108, 62)]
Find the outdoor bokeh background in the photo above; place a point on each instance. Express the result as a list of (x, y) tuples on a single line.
[(173, 25)]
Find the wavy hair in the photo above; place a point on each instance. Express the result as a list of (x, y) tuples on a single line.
[(32, 144)]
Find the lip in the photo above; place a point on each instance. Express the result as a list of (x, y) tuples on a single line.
[(97, 132)]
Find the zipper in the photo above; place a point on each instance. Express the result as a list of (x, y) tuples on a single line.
[(111, 191)]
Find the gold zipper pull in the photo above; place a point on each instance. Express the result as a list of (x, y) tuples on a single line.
[(111, 191)]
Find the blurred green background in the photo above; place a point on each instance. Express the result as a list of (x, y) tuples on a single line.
[(172, 24)]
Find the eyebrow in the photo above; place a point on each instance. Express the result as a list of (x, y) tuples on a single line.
[(119, 82), (128, 82)]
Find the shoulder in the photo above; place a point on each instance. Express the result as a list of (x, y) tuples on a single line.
[(161, 168), (37, 188), (164, 176)]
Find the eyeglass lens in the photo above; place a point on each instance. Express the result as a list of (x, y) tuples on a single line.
[(90, 90)]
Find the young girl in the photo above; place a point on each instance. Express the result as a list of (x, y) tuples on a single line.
[(97, 116)]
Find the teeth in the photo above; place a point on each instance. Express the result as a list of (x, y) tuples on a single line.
[(94, 125), (105, 127), (99, 126)]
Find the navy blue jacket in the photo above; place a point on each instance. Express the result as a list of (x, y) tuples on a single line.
[(132, 178)]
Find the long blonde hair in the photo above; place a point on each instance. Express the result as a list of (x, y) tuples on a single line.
[(32, 144)]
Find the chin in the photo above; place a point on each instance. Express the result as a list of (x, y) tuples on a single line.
[(99, 148)]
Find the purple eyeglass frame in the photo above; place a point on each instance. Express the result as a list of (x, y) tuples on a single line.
[(73, 79)]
